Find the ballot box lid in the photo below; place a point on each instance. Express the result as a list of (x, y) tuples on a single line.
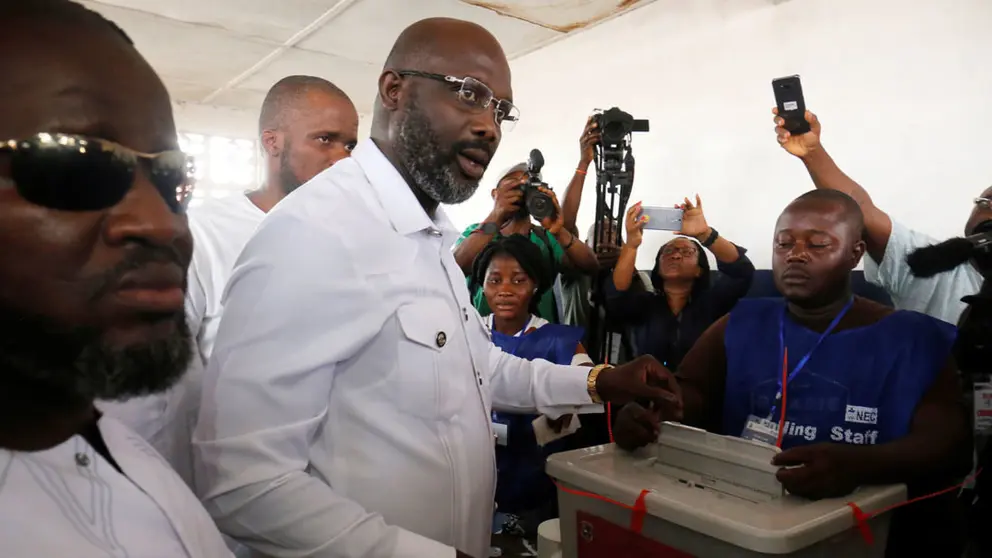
[(750, 517)]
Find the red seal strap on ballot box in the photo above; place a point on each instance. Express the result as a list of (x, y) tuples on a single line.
[(698, 494)]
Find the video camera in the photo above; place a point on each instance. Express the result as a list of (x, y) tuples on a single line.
[(614, 160), (614, 164), (536, 203), (615, 127)]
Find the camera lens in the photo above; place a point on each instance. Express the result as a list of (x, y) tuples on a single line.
[(539, 205)]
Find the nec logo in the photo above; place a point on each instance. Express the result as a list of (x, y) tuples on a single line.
[(861, 415)]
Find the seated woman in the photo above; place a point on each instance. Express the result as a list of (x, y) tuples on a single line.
[(513, 275), (666, 323)]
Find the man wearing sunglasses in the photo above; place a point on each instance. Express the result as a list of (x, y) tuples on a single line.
[(95, 250), (347, 402)]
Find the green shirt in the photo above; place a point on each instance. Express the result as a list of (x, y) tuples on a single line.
[(546, 306)]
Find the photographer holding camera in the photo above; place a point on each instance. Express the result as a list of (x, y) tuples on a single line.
[(509, 216)]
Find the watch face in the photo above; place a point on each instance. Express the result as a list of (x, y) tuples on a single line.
[(490, 228)]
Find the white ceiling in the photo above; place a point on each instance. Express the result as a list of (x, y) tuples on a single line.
[(219, 57)]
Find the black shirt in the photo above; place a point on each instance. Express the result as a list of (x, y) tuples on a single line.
[(656, 331)]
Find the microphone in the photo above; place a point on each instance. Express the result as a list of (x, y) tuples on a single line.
[(945, 256), (535, 162)]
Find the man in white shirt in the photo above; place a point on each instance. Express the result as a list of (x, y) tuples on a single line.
[(91, 291), (306, 125), (888, 241), (346, 406)]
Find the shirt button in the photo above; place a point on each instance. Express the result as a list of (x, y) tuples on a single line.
[(441, 339), (82, 460)]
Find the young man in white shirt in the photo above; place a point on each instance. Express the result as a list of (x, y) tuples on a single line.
[(306, 125), (888, 241), (347, 402), (91, 291)]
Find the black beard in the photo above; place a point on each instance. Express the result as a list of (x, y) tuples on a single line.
[(53, 367), (50, 365), (430, 166), (287, 179)]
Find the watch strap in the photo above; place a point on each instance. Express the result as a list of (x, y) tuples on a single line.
[(711, 238), (487, 228)]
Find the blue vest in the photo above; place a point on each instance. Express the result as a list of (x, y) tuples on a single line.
[(521, 484), (860, 386)]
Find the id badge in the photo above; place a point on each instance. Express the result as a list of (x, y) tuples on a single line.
[(983, 408), (501, 430), (760, 430)]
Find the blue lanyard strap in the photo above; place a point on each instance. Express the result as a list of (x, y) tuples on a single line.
[(802, 362)]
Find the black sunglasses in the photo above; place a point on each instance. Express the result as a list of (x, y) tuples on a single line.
[(78, 173)]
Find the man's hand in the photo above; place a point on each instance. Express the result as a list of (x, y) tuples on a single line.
[(554, 223), (509, 198), (634, 224), (636, 427), (693, 221), (588, 140), (823, 470), (607, 256), (802, 145), (642, 378)]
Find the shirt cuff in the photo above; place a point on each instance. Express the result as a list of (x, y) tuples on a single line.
[(412, 545), (569, 389)]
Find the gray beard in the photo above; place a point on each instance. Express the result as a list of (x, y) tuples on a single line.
[(430, 168)]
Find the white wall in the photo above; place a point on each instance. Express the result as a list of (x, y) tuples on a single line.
[(903, 88), (231, 122)]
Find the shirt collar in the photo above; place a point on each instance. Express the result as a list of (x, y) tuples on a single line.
[(402, 207)]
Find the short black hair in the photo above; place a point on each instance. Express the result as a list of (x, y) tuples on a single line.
[(851, 208), (60, 11), (287, 92), (527, 254)]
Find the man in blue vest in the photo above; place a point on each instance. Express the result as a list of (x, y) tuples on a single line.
[(870, 393)]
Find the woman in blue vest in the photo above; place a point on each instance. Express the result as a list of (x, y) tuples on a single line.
[(512, 273), (856, 393)]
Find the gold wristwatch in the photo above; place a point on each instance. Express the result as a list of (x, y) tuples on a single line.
[(591, 382)]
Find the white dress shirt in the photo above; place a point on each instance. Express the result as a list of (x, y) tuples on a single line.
[(70, 501), (938, 296), (346, 406), (220, 228)]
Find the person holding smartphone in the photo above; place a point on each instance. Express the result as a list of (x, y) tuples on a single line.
[(665, 323), (888, 241)]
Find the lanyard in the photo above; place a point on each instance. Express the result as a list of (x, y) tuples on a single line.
[(802, 362)]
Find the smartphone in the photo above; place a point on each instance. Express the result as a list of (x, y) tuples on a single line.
[(791, 104), (662, 218)]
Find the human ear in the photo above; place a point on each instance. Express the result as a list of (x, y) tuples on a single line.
[(390, 90)]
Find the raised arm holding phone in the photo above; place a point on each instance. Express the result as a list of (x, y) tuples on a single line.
[(888, 241), (685, 302)]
